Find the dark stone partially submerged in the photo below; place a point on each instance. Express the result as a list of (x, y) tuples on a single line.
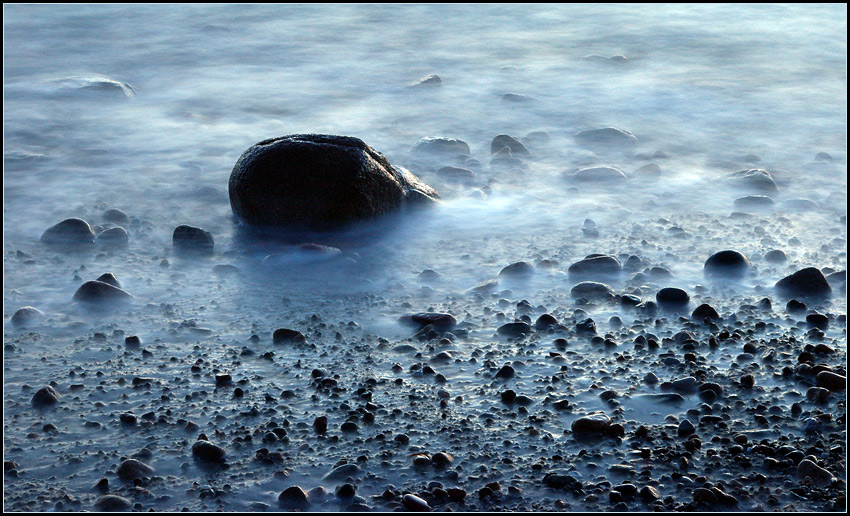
[(45, 397), (729, 264), (69, 233), (193, 240), (26, 315), (808, 282), (319, 182), (100, 292)]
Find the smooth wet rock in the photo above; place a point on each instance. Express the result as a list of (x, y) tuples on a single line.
[(832, 381), (26, 315), (807, 468), (441, 459), (503, 140), (69, 233), (545, 321), (776, 256), (415, 504), (319, 182), (562, 480), (754, 202), (606, 136), (192, 239), (704, 311), (448, 147), (440, 321), (686, 428), (131, 469), (506, 372), (112, 503), (342, 472), (116, 216), (592, 290), (456, 174), (670, 297), (208, 452), (595, 424), (294, 497), (114, 237), (517, 270), (45, 397), (685, 384), (837, 279), (514, 329), (108, 277), (808, 282), (285, 336), (100, 292), (726, 264), (603, 175), (755, 180), (593, 265)]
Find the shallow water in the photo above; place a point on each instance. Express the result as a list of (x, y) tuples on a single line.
[(146, 109)]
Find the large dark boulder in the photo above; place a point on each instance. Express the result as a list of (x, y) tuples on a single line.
[(318, 182), (808, 282)]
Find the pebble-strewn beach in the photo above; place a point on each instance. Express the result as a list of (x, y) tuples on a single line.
[(516, 258)]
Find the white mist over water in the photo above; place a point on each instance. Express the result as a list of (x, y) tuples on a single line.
[(705, 85), (146, 108)]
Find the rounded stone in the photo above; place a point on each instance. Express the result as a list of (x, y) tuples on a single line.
[(592, 424), (116, 216), (207, 451), (415, 504), (448, 147), (112, 503), (503, 140), (754, 202), (192, 239), (776, 256), (808, 282), (108, 277), (69, 233), (672, 297), (755, 180), (45, 397), (100, 292), (131, 469), (319, 182), (116, 236), (26, 315), (705, 311), (592, 290), (294, 497), (606, 175), (595, 264), (726, 264), (518, 269)]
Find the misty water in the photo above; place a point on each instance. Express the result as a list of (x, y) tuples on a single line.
[(146, 109)]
